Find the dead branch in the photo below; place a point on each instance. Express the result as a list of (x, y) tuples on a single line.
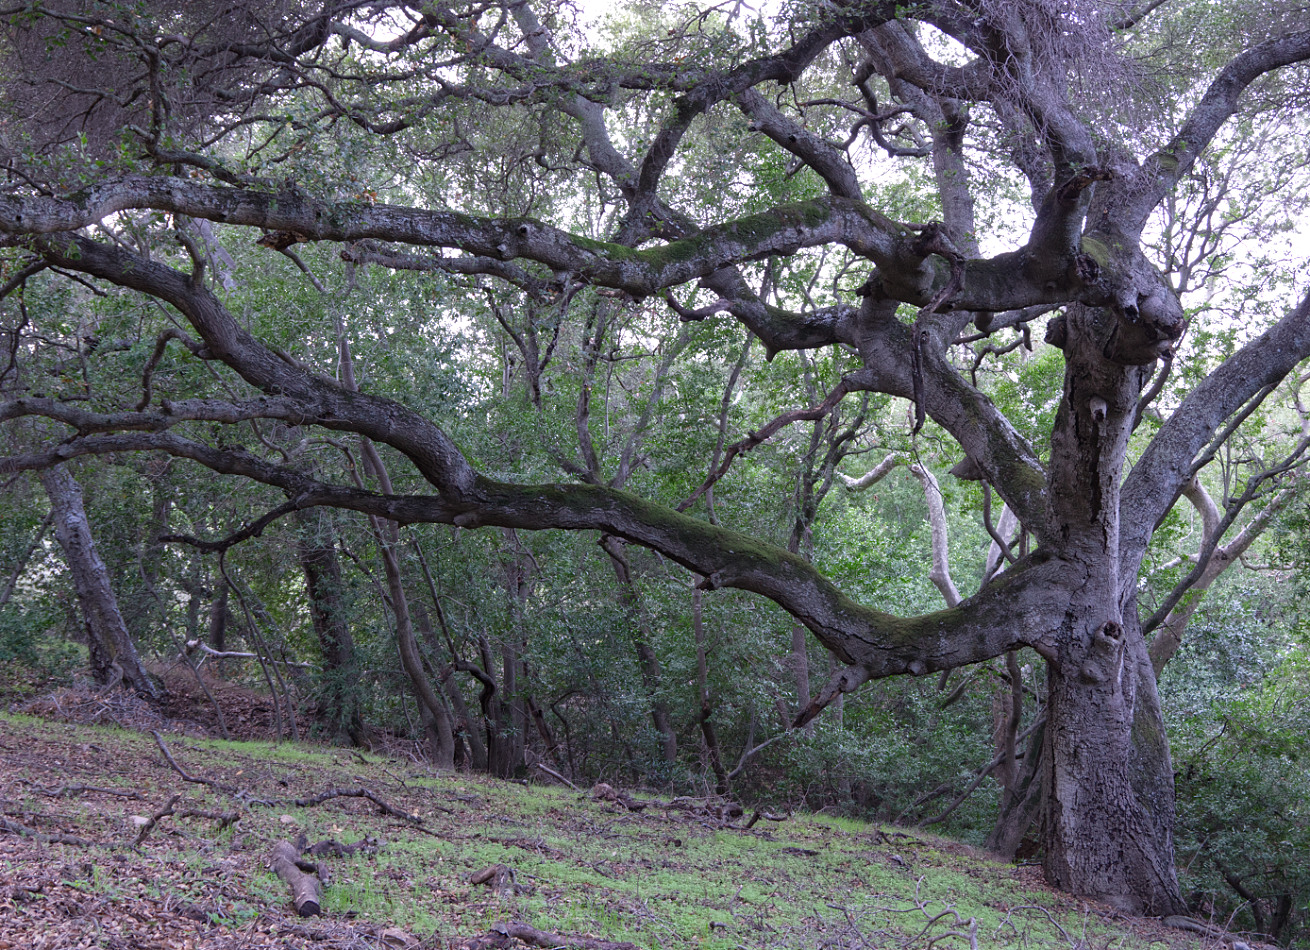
[(765, 432), (195, 779), (385, 808), (70, 791), (224, 818), (17, 828), (499, 877), (154, 820), (191, 646), (504, 935), (604, 792), (555, 775), (300, 876), (338, 850)]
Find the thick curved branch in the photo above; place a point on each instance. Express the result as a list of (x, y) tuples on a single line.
[(906, 270), (988, 438), (315, 397), (1162, 171), (1006, 615), (1166, 466)]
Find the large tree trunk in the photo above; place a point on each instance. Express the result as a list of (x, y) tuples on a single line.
[(109, 640), (1108, 781), (1109, 809)]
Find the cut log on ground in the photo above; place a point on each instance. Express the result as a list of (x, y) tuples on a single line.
[(300, 876), (498, 877)]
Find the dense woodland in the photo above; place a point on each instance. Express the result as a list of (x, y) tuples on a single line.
[(885, 408)]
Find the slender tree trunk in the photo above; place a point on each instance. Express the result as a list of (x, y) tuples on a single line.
[(1022, 803), (111, 643), (493, 714), (339, 698), (513, 720), (443, 738), (648, 662), (387, 535), (21, 564), (218, 619), (704, 717)]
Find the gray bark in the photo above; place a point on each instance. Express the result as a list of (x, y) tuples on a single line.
[(1106, 778), (108, 636)]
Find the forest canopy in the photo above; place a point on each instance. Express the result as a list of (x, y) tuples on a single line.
[(627, 394)]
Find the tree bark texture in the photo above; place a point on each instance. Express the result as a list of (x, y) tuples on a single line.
[(108, 634)]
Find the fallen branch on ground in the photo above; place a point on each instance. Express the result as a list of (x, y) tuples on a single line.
[(17, 828), (300, 876), (69, 791), (194, 779), (503, 935), (605, 792), (224, 818), (498, 877), (360, 793), (1179, 922), (338, 850), (153, 820), (555, 775)]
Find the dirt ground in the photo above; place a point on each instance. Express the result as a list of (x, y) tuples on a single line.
[(106, 843)]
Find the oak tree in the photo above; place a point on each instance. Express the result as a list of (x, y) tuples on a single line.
[(672, 163)]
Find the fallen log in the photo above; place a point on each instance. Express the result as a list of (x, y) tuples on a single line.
[(300, 876), (498, 877)]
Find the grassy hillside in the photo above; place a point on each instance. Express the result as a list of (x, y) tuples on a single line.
[(87, 857)]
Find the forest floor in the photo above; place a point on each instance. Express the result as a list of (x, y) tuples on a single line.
[(119, 838)]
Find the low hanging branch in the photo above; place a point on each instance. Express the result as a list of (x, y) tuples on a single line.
[(762, 434)]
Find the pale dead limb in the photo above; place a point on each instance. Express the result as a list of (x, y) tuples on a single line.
[(941, 562), (873, 475), (1212, 560), (940, 574), (197, 645)]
